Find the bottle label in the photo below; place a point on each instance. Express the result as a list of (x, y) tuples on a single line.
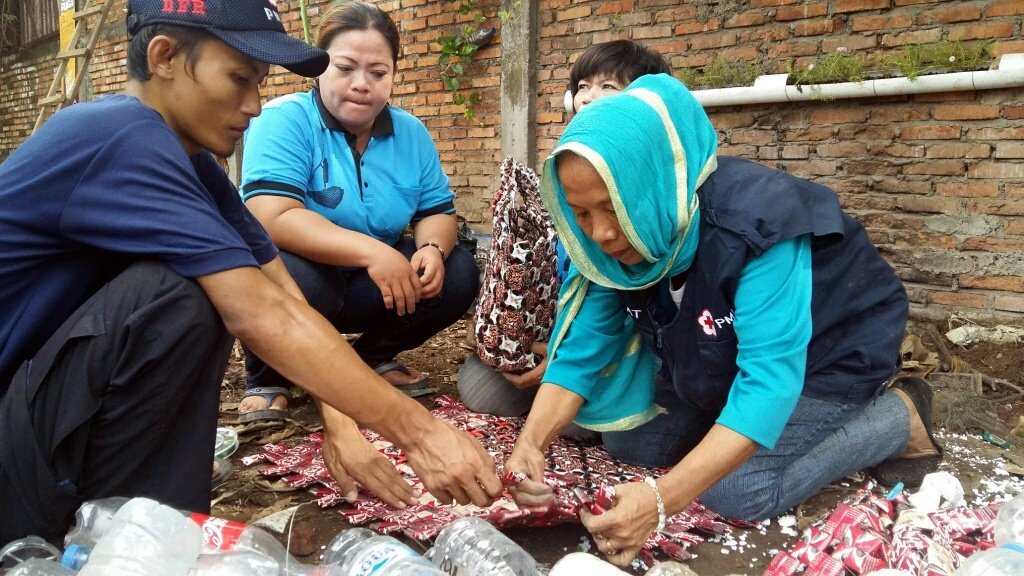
[(376, 557), (448, 566), (218, 533)]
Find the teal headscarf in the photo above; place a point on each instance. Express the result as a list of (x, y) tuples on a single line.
[(653, 146)]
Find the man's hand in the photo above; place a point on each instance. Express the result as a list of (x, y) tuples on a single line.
[(349, 457), (453, 466), (397, 280), (621, 532), (531, 493), (533, 377), (428, 259)]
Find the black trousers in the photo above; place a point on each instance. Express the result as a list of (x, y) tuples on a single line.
[(121, 401)]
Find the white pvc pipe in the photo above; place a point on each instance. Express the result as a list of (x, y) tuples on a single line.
[(773, 88)]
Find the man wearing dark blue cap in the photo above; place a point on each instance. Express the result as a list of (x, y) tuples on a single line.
[(127, 262)]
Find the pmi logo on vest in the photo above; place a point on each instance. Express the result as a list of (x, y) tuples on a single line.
[(710, 324)]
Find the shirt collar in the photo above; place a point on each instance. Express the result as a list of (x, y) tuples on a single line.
[(382, 125)]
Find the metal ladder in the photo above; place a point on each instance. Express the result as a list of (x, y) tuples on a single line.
[(55, 98)]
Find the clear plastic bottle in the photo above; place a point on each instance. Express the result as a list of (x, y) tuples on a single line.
[(582, 563), (1003, 560), (145, 538), (219, 535), (363, 552), (671, 569), (472, 547), (40, 567), (25, 549), (1009, 524), (235, 564)]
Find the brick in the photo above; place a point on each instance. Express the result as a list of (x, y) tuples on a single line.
[(869, 42), (810, 134), (590, 25), (987, 31), (959, 150), (614, 7), (793, 48), (946, 15), (729, 120), (874, 132), (965, 112), (817, 27), (789, 13), (935, 168), (1009, 150), (912, 37), (1005, 8), (901, 114), (717, 40), (1006, 47), (1004, 283), (768, 3), (996, 133), (746, 19), (1008, 303), (837, 116), (812, 168), (550, 117), (843, 6), (996, 170), (985, 244), (1014, 228), (795, 152), (966, 189), (928, 205), (959, 299), (1014, 191), (873, 168), (899, 150), (756, 137), (695, 27), (996, 206), (919, 240), (645, 32), (930, 132), (768, 153), (1014, 112), (893, 186), (886, 22), (573, 13), (842, 150)]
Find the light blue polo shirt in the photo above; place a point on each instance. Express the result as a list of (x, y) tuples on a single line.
[(296, 149)]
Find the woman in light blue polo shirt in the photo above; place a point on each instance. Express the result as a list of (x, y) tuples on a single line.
[(336, 175)]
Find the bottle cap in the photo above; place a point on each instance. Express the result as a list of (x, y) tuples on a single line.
[(75, 556)]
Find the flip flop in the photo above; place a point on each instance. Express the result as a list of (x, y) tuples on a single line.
[(268, 393), (412, 389), (911, 471)]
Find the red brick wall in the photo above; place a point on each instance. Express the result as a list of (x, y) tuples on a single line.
[(937, 179)]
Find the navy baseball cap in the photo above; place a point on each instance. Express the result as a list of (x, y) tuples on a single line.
[(253, 27)]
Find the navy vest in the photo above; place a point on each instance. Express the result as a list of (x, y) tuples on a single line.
[(858, 310)]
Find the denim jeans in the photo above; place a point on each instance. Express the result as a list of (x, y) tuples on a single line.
[(349, 299), (822, 442)]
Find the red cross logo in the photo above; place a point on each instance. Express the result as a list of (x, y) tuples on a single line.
[(707, 323)]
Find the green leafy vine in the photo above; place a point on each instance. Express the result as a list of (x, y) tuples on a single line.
[(457, 51)]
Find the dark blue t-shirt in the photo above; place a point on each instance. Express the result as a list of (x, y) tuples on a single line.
[(100, 185)]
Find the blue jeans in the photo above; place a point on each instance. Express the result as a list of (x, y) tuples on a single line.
[(349, 299), (822, 442)]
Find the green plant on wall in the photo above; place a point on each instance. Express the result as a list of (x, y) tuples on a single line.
[(8, 25), (457, 51), (720, 73), (834, 67), (946, 56)]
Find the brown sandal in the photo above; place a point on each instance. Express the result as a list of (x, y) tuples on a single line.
[(911, 471)]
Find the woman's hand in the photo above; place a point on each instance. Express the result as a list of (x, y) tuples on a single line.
[(533, 377), (531, 493), (350, 457), (621, 532), (428, 262), (397, 280)]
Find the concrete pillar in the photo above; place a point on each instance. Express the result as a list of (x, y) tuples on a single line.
[(519, 80)]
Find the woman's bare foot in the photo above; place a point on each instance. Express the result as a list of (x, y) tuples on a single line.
[(918, 444), (254, 403)]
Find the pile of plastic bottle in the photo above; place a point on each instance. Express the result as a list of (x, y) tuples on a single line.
[(140, 537)]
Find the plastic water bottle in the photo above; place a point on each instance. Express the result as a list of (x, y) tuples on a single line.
[(671, 569), (40, 567), (1003, 560), (583, 563), (1009, 524), (363, 552), (235, 564), (145, 538), (472, 547), (24, 549)]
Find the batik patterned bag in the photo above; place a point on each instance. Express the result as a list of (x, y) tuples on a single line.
[(520, 285)]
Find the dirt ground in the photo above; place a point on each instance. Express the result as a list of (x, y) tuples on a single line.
[(986, 470)]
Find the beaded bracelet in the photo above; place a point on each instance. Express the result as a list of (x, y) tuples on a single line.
[(435, 245), (661, 504)]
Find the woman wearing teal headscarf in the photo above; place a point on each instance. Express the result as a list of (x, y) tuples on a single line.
[(776, 322)]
